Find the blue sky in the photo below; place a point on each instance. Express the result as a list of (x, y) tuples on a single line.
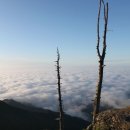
[(31, 30)]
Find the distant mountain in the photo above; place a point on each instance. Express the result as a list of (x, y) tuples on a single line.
[(18, 116), (25, 106)]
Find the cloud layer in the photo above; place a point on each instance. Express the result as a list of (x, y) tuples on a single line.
[(78, 87)]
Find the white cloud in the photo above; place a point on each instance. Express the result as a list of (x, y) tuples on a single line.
[(78, 87)]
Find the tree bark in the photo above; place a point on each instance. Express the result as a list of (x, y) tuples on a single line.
[(101, 56), (61, 125)]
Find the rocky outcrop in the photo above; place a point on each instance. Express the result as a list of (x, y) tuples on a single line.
[(115, 119)]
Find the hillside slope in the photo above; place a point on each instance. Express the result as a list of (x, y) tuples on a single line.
[(18, 117)]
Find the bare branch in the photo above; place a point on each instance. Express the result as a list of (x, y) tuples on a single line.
[(61, 126), (101, 57), (98, 30), (105, 30)]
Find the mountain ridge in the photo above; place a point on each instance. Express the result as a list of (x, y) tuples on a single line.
[(18, 117)]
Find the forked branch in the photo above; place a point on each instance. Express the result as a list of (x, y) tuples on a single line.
[(101, 55)]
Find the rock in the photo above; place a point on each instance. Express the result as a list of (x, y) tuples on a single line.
[(115, 119)]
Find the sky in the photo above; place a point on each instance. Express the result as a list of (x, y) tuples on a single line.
[(31, 30)]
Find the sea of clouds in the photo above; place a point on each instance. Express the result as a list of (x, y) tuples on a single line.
[(38, 86)]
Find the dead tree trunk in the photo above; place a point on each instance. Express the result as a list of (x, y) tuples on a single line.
[(61, 125), (101, 56)]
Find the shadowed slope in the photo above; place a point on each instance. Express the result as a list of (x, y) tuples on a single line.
[(18, 117)]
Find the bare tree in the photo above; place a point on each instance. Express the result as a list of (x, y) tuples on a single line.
[(101, 55), (61, 125)]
